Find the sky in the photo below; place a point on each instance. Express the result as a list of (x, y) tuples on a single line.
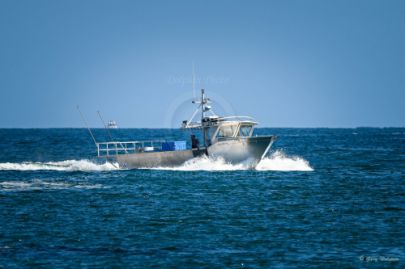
[(286, 63)]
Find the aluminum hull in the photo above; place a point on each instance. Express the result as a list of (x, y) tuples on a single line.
[(157, 159), (248, 150)]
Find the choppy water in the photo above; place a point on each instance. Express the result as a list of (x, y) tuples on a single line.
[(322, 198)]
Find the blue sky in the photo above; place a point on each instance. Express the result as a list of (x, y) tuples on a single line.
[(287, 63)]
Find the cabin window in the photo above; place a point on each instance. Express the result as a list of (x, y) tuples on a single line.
[(211, 132), (210, 135), (226, 131), (245, 130)]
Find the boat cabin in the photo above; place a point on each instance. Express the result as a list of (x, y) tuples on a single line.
[(221, 128), (215, 128)]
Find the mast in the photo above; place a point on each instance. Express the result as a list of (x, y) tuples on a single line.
[(202, 104), (202, 115)]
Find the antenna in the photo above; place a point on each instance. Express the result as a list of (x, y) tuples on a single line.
[(105, 126), (204, 105), (85, 123)]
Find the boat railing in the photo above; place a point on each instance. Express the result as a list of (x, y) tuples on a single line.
[(107, 149)]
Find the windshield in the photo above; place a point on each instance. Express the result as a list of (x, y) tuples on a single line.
[(245, 130), (226, 131)]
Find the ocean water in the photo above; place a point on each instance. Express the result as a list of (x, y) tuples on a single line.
[(321, 198)]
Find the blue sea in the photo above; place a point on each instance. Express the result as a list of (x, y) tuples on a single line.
[(321, 198)]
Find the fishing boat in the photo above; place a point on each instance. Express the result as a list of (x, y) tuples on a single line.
[(112, 125), (229, 138)]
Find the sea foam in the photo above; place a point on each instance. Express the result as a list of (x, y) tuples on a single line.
[(38, 184), (277, 161), (68, 165)]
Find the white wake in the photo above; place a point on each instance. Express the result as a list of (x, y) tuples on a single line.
[(277, 161), (69, 165), (37, 184)]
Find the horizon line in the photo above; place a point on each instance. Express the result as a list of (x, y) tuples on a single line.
[(174, 128)]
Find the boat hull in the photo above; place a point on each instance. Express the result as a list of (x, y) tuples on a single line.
[(157, 159), (247, 150)]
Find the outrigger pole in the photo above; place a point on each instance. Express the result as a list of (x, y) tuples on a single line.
[(85, 123), (91, 133), (109, 134), (105, 126)]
